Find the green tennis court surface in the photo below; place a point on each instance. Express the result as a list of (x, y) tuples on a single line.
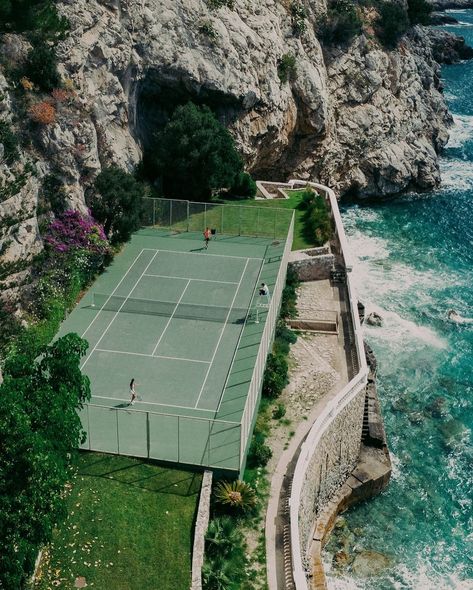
[(186, 324)]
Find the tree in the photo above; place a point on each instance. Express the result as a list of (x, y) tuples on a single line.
[(196, 154), (118, 203), (244, 186), (39, 433)]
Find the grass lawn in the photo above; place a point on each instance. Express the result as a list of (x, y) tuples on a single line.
[(300, 240), (129, 527)]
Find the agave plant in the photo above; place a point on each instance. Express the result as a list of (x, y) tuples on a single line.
[(235, 494)]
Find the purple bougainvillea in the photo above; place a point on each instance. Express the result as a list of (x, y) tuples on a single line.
[(74, 231)]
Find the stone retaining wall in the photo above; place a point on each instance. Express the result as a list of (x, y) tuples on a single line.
[(201, 525), (311, 268), (337, 454)]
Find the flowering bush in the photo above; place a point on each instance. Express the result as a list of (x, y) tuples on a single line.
[(42, 113), (74, 231)]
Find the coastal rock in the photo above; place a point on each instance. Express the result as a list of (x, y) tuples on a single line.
[(448, 48), (370, 563), (455, 434), (362, 119), (374, 319)]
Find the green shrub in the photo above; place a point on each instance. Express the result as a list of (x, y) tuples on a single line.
[(10, 144), (259, 453), (299, 14), (419, 12), (275, 376), (41, 66), (279, 411), (317, 221), (222, 537), (341, 23), (287, 69), (243, 186), (216, 4), (195, 154), (284, 337), (206, 28), (391, 24), (39, 17)]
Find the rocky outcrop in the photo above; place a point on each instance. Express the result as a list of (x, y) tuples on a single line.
[(448, 48), (360, 119)]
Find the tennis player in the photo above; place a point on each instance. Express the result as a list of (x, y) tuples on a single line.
[(132, 392), (207, 235)]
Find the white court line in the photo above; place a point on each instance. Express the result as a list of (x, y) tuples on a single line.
[(221, 334), (206, 254), (191, 279), (155, 356), (118, 310), (170, 318), (118, 399), (121, 281)]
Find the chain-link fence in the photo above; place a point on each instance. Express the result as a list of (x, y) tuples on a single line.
[(236, 220)]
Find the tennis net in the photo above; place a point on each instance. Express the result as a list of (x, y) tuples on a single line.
[(210, 313)]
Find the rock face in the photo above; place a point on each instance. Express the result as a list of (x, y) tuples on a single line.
[(360, 119)]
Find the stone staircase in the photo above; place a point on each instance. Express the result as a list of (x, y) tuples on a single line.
[(338, 275)]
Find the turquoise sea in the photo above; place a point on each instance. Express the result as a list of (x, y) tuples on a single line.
[(414, 263)]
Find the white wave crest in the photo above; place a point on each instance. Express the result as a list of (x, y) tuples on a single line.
[(462, 131), (457, 174)]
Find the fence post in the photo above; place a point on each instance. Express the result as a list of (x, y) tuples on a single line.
[(154, 212), (275, 217), (88, 425), (148, 443), (188, 217), (205, 216), (239, 221), (257, 222), (221, 219), (178, 439), (208, 446), (118, 435), (170, 213)]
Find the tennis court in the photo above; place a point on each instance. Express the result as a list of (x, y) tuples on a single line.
[(187, 324)]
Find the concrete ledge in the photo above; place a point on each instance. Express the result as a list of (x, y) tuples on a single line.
[(201, 525)]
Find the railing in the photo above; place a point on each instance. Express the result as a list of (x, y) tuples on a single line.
[(236, 220), (265, 344), (334, 407), (167, 437)]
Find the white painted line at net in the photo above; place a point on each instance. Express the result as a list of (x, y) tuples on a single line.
[(221, 333), (155, 356), (118, 399), (206, 254), (170, 318), (111, 294), (192, 279), (118, 310)]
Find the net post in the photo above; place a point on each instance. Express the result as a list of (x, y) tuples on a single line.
[(188, 216)]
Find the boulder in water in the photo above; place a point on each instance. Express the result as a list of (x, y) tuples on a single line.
[(437, 408), (454, 433), (374, 319), (370, 563)]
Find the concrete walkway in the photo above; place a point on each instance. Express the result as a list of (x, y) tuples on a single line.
[(314, 296)]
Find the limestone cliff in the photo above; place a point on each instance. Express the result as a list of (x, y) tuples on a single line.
[(360, 119)]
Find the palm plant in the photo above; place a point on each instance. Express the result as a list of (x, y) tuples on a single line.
[(236, 494), (222, 536)]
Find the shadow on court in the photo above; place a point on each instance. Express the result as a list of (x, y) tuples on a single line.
[(147, 475)]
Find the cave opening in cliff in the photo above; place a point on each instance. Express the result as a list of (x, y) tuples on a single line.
[(158, 96)]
